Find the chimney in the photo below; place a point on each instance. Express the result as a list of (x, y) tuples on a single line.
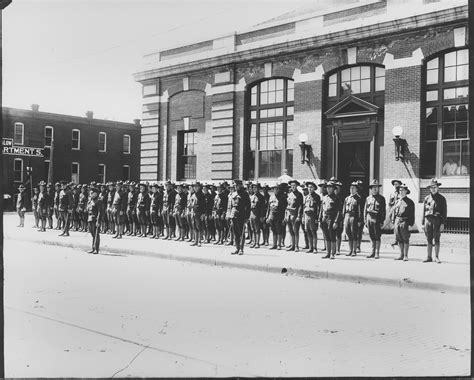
[(90, 114), (35, 107), (137, 122)]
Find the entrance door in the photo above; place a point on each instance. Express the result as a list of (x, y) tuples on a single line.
[(353, 165)]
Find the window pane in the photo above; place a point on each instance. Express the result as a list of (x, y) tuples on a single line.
[(431, 96), (291, 95), (264, 86), (279, 96), (333, 78), (355, 87), (462, 92), (279, 111), (253, 114), (365, 72), (429, 158), (279, 84), (289, 127), (271, 85), (279, 128), (462, 72), (263, 98), (431, 115), (345, 75), (355, 72), (291, 84), (253, 100), (432, 77), (450, 74), (450, 93), (254, 90), (365, 84), (290, 111), (332, 91), (379, 72), (463, 168), (451, 157), (463, 57), (433, 64), (271, 97), (461, 130), (263, 113), (289, 161), (461, 113), (449, 114), (431, 132), (380, 84), (450, 59), (448, 131)]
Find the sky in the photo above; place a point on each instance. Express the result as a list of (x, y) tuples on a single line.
[(71, 56)]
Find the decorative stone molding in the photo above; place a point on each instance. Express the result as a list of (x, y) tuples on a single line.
[(415, 60), (317, 74), (352, 56), (460, 37), (268, 70)]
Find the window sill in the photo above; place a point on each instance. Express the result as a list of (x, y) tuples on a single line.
[(75, 149)]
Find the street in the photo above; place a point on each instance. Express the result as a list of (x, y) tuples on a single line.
[(69, 313)]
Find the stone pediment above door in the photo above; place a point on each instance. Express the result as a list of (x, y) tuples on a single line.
[(351, 106)]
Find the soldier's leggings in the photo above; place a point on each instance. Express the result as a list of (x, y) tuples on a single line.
[(66, 220), (255, 223), (402, 233), (35, 214), (166, 218), (328, 231), (238, 227), (42, 214), (95, 233), (373, 225), (276, 225), (432, 229), (154, 218), (351, 227), (293, 225), (142, 217)]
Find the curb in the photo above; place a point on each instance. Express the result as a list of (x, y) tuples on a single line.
[(275, 269)]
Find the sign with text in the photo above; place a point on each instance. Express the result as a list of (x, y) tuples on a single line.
[(22, 151), (7, 142)]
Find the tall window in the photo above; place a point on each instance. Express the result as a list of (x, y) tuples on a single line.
[(270, 129), (126, 144), (76, 139), (48, 136), (18, 134), (102, 141), (18, 170), (187, 155), (101, 175), (75, 172), (445, 148), (125, 173)]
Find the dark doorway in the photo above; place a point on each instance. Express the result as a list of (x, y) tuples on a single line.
[(353, 165)]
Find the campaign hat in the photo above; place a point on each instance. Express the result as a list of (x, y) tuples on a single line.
[(404, 186), (293, 181), (57, 184), (311, 183), (119, 183), (322, 183), (356, 184), (374, 183), (21, 186), (434, 182), (42, 183), (331, 183), (237, 182), (396, 180)]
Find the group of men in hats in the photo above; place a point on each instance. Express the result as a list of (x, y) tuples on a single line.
[(233, 213)]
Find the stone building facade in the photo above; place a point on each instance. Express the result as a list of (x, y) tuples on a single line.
[(342, 82)]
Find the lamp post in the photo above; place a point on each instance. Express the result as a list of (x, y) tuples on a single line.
[(397, 131), (304, 148)]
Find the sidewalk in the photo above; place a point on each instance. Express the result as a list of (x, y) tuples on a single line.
[(450, 276)]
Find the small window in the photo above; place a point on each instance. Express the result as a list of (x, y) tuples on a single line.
[(126, 172), (126, 144), (102, 142), (75, 172), (18, 170), (48, 136), (76, 139), (18, 134), (101, 175)]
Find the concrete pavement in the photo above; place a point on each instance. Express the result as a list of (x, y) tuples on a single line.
[(69, 314), (450, 276)]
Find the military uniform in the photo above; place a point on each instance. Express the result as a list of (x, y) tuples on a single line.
[(403, 217), (219, 210), (239, 214), (199, 207), (34, 206), (190, 214), (374, 216), (143, 207), (257, 215), (311, 206), (66, 203), (275, 215), (131, 214), (57, 214), (94, 210), (21, 205), (353, 216), (119, 208), (82, 209), (43, 207), (110, 209), (293, 216), (179, 211), (169, 197), (329, 219)]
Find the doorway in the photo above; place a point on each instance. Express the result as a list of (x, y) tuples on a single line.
[(354, 164)]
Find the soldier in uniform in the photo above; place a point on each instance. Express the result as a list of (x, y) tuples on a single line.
[(103, 199), (190, 214), (119, 208), (143, 207), (94, 218), (219, 210), (57, 214), (275, 215), (340, 224), (82, 208), (322, 192), (110, 214), (293, 214), (154, 211), (43, 205), (329, 219), (50, 190), (434, 218), (34, 206), (66, 203), (361, 226), (199, 206), (168, 206), (257, 214), (227, 215), (207, 212), (392, 200), (264, 225), (131, 213), (75, 199), (353, 216), (239, 214), (179, 211), (374, 216), (403, 217), (312, 203), (305, 191), (21, 204)]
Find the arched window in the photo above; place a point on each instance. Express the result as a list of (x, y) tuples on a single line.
[(271, 106), (445, 137)]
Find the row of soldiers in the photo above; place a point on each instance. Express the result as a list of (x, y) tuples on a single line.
[(222, 213)]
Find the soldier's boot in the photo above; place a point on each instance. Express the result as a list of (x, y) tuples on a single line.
[(328, 249), (310, 244), (351, 247), (315, 243), (257, 240), (291, 247), (275, 241), (377, 249), (406, 246), (333, 250), (372, 255), (297, 242), (354, 248), (437, 248), (400, 247), (338, 244), (429, 258)]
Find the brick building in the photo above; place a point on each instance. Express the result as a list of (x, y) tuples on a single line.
[(319, 93), (85, 149)]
